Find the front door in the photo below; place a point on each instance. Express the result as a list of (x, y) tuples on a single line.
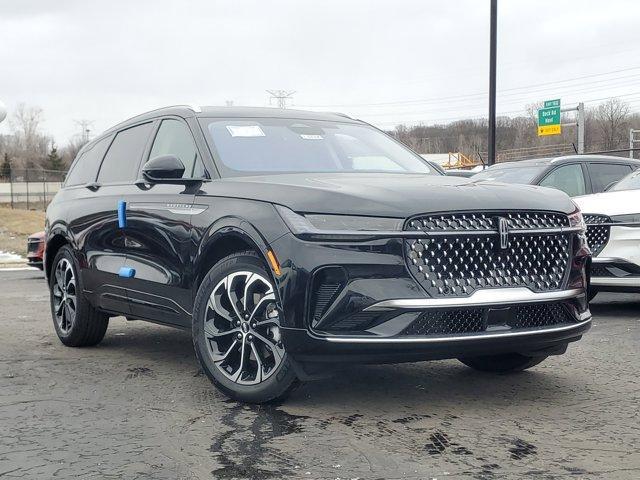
[(159, 241)]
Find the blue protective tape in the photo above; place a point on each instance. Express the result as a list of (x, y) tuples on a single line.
[(127, 272), (122, 214)]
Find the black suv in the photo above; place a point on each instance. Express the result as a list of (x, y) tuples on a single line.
[(293, 242)]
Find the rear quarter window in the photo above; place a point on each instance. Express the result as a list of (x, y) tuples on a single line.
[(85, 168)]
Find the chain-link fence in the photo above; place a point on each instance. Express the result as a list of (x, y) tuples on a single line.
[(31, 188)]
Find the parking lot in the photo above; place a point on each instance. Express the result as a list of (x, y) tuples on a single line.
[(137, 406)]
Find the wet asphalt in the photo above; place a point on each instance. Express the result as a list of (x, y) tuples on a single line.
[(138, 407)]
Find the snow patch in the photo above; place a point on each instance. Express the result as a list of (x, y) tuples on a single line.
[(8, 257)]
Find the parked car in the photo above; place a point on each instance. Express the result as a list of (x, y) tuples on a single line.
[(35, 250), (289, 241), (613, 233), (573, 174)]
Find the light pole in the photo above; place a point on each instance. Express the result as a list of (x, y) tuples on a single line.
[(491, 141)]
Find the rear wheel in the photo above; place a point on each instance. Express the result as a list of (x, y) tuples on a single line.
[(236, 331), (592, 293), (77, 323), (505, 363)]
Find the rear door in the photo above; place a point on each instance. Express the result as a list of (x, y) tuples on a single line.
[(96, 225), (604, 174), (159, 241)]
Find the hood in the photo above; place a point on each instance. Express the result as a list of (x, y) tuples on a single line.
[(386, 194), (610, 203)]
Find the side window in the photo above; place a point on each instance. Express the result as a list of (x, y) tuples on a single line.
[(85, 168), (121, 162), (174, 137), (603, 174), (568, 178)]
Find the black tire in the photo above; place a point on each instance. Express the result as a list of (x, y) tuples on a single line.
[(281, 379), (592, 293), (505, 363), (88, 326)]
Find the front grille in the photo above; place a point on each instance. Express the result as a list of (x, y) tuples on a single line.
[(487, 221), (448, 322), (542, 315), (476, 320), (597, 234), (457, 264), (32, 245)]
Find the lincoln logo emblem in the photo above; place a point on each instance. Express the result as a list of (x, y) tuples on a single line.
[(503, 229)]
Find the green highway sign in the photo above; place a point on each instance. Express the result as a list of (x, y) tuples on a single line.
[(549, 118)]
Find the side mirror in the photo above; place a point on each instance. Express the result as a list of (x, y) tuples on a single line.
[(163, 169)]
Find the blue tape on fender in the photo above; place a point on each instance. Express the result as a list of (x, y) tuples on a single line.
[(127, 272), (122, 214)]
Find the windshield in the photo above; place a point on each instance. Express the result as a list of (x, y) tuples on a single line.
[(630, 182), (269, 145), (510, 174)]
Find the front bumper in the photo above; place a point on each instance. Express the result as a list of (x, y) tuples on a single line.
[(617, 266), (371, 315)]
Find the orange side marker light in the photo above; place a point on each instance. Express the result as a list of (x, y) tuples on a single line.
[(274, 262)]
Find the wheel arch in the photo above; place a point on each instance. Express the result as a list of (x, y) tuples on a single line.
[(224, 237), (56, 239)]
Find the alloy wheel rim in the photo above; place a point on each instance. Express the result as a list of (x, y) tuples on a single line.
[(64, 295), (242, 328)]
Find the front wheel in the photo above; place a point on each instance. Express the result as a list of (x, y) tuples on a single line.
[(505, 363), (236, 331)]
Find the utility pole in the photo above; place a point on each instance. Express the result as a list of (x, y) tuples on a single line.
[(632, 140), (579, 124), (85, 131), (580, 121), (491, 143), (281, 96)]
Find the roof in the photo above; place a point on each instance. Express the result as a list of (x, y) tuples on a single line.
[(187, 111), (535, 162)]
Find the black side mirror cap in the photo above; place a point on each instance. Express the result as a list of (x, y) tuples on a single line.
[(163, 169)]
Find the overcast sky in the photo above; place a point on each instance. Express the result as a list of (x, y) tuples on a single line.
[(387, 62)]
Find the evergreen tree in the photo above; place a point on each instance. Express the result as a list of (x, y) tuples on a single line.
[(5, 168), (54, 162)]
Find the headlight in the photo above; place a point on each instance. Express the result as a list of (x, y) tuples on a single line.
[(576, 220), (632, 219), (318, 223)]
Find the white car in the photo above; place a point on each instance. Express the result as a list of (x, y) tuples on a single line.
[(613, 234)]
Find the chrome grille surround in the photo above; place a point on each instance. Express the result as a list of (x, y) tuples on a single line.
[(464, 254), (597, 234)]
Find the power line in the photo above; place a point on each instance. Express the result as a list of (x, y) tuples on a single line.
[(499, 114), (479, 94)]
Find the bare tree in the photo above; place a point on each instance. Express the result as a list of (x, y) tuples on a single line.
[(73, 147), (611, 118), (29, 146)]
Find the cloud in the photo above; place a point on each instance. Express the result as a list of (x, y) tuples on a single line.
[(107, 60)]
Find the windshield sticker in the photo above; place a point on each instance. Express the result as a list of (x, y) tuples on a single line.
[(310, 137), (245, 131)]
